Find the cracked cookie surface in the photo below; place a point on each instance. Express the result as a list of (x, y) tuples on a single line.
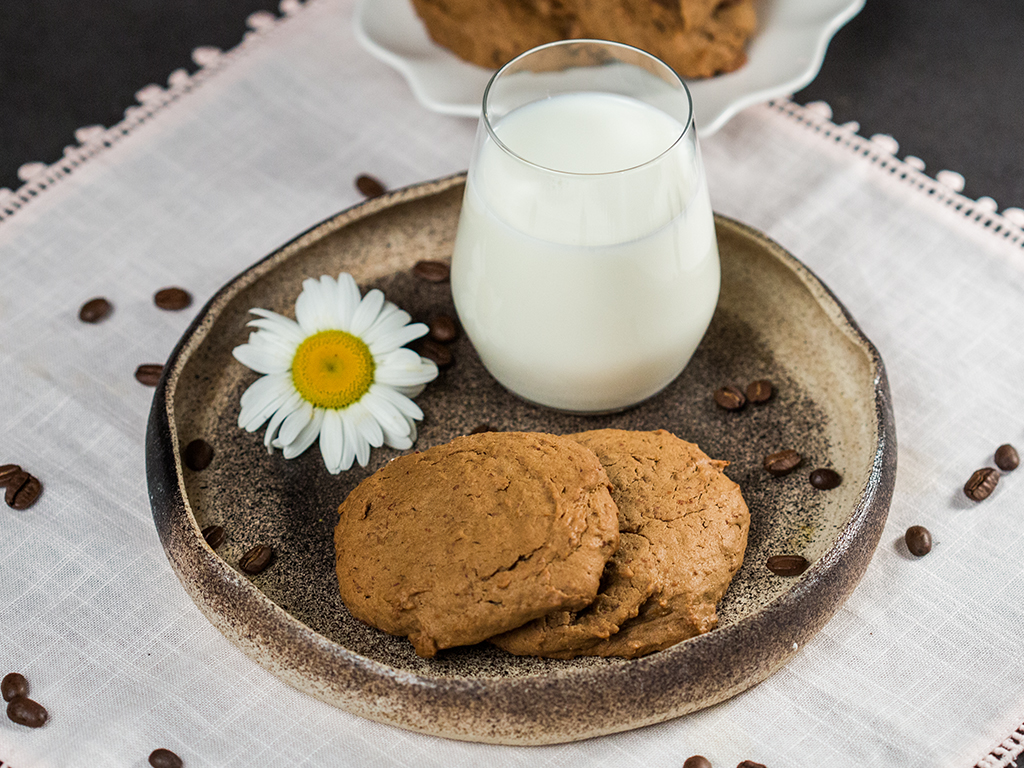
[(688, 526), (475, 537)]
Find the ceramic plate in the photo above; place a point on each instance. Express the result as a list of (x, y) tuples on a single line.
[(775, 320), (784, 55)]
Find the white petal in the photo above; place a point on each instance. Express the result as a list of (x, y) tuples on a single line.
[(263, 357), (399, 441), (405, 368), (352, 440), (391, 318), (366, 424), (283, 327), (258, 400), (331, 440), (411, 391), (310, 307), (385, 412), (291, 405), (346, 299), (294, 424), (407, 407), (251, 418), (392, 340), (367, 311), (305, 437)]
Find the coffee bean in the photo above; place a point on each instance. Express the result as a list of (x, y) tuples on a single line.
[(481, 428), (787, 565), (730, 398), (22, 496), (751, 764), (432, 271), (149, 374), (432, 350), (172, 298), (443, 328), (25, 711), (825, 479), (198, 455), (7, 473), (214, 535), (13, 684), (981, 483), (370, 186), (697, 761), (1007, 458), (94, 310), (919, 540), (760, 391), (164, 758), (782, 462), (256, 559)]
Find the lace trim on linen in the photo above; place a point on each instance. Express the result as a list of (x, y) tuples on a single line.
[(1005, 755), (95, 139), (881, 150)]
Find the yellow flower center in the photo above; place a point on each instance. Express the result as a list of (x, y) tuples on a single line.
[(332, 369)]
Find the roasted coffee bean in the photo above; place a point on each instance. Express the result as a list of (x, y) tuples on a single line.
[(256, 559), (432, 271), (481, 428), (24, 495), (730, 398), (172, 298), (198, 455), (697, 761), (13, 684), (982, 483), (439, 353), (443, 328), (25, 711), (7, 473), (149, 374), (164, 758), (94, 310), (825, 479), (1007, 458), (787, 565), (370, 186), (919, 540), (751, 764), (760, 391), (214, 535), (782, 462)]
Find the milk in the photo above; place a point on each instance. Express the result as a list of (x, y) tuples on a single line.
[(585, 269)]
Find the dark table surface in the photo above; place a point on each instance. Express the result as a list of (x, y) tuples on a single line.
[(944, 78)]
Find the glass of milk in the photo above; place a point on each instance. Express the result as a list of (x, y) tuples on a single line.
[(586, 269)]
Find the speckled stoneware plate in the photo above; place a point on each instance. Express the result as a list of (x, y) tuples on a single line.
[(775, 320)]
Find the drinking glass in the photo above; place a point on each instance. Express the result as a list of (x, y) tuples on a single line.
[(585, 269)]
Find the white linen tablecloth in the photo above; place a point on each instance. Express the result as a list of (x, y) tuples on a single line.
[(921, 667)]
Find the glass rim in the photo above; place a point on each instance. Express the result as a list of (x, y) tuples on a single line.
[(687, 126)]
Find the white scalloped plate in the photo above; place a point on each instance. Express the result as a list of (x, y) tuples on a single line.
[(784, 55)]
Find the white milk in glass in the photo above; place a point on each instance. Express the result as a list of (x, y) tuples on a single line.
[(587, 288)]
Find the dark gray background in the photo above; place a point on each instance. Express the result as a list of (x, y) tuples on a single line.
[(944, 77)]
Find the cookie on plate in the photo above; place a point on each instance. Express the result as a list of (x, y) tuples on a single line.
[(697, 38), (475, 537), (692, 522)]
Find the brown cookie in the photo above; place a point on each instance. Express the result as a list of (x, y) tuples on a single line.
[(697, 38), (694, 522), (475, 537)]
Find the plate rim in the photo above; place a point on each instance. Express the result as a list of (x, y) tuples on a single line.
[(804, 64), (453, 697)]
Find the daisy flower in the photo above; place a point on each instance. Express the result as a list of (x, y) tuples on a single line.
[(338, 371)]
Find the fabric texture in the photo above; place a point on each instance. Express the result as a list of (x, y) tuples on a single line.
[(921, 666)]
